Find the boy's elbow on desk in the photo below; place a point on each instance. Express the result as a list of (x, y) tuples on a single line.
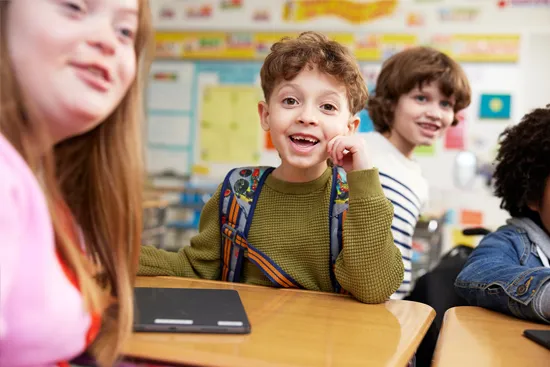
[(382, 287), (374, 285)]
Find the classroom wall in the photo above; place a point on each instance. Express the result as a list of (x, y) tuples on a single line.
[(417, 15), (192, 98)]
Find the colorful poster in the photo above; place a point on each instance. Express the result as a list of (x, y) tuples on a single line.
[(264, 41), (255, 46), (458, 14), (231, 4), (495, 106), (261, 15), (376, 47), (205, 45), (478, 47), (415, 19), (229, 125), (522, 3), (471, 218), (355, 12), (455, 136), (394, 43), (485, 47), (198, 11)]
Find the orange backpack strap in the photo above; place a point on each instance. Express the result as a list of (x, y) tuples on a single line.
[(239, 195), (338, 209)]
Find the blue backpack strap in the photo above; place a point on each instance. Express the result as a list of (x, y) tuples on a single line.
[(339, 199), (239, 193)]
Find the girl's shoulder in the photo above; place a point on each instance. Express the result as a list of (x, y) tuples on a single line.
[(18, 184)]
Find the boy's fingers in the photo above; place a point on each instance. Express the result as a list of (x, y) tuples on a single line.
[(330, 144), (334, 149)]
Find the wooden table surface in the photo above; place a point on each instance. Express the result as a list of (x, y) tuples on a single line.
[(293, 328), (473, 336)]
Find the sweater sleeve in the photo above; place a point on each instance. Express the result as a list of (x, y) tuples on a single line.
[(199, 260), (370, 265)]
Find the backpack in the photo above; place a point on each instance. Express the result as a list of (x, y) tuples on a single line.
[(238, 197)]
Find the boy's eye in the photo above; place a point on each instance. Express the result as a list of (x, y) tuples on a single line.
[(290, 101), (446, 104), (420, 98), (328, 107)]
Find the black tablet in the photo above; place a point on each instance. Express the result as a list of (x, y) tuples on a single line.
[(190, 310), (541, 337)]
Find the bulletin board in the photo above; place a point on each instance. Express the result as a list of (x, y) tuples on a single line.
[(202, 114), (204, 82)]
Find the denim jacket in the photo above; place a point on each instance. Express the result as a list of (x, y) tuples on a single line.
[(505, 273)]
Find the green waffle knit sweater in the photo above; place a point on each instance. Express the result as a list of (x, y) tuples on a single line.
[(291, 226)]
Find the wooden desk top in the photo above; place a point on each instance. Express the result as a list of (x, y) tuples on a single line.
[(294, 328), (473, 336)]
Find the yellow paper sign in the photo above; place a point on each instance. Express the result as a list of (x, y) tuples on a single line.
[(486, 48), (205, 45), (355, 12), (229, 125), (255, 46), (479, 47)]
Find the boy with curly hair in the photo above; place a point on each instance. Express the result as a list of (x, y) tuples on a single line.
[(417, 95), (305, 209), (509, 271)]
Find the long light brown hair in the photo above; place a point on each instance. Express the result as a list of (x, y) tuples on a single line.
[(99, 176)]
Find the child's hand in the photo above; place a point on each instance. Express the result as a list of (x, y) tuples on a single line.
[(349, 152)]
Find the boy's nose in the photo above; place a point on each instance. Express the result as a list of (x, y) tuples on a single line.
[(308, 121), (308, 117), (434, 113)]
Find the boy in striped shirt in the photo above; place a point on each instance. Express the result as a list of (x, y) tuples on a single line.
[(417, 95)]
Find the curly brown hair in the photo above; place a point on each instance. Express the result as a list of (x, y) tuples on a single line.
[(523, 163), (412, 68), (290, 56)]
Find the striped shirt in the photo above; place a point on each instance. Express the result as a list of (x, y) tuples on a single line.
[(406, 188)]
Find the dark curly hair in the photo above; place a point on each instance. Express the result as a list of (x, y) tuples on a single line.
[(290, 56), (411, 68), (523, 164)]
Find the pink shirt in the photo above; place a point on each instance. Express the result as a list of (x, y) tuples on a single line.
[(42, 315)]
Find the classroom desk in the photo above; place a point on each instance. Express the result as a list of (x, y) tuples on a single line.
[(293, 328), (473, 336)]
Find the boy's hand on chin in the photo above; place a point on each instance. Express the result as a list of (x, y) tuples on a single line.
[(349, 152)]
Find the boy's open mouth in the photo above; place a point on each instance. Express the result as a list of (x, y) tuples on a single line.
[(430, 127), (304, 140)]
